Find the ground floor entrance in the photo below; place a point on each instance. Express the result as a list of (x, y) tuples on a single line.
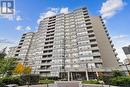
[(77, 76)]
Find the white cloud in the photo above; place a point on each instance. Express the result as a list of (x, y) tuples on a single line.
[(24, 28), (27, 28), (120, 37), (52, 12), (19, 18), (111, 7), (64, 10), (119, 42), (19, 27), (6, 43)]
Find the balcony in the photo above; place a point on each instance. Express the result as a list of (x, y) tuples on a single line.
[(96, 60)]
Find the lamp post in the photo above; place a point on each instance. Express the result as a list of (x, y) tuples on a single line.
[(47, 79), (127, 68)]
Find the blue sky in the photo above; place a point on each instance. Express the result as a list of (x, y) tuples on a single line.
[(27, 13)]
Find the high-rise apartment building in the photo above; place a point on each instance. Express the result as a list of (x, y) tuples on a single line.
[(22, 50), (126, 50), (74, 46), (12, 51)]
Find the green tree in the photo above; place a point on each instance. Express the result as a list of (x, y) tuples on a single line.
[(2, 55), (7, 66), (117, 73)]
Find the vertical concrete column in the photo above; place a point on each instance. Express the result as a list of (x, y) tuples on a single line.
[(71, 76), (68, 76), (87, 75)]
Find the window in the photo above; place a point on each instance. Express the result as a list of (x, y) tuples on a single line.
[(89, 27), (50, 38), (95, 51), (50, 31), (49, 42), (90, 31), (88, 23), (51, 25), (18, 51), (20, 43), (21, 40), (19, 47), (87, 20), (49, 35), (92, 40), (92, 35), (96, 56), (51, 28), (94, 45), (45, 56), (16, 54), (47, 51), (48, 46)]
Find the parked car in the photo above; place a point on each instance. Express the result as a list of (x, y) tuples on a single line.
[(12, 85)]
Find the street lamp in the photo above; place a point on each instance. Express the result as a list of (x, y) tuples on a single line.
[(126, 68)]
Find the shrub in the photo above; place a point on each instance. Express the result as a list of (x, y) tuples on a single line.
[(46, 81), (117, 73), (120, 80), (11, 80), (1, 83), (90, 82), (50, 78), (32, 79)]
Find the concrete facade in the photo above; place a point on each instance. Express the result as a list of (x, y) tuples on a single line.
[(75, 44), (126, 50)]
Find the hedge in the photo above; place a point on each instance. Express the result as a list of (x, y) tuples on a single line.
[(120, 81), (90, 82), (11, 80), (32, 79), (46, 81)]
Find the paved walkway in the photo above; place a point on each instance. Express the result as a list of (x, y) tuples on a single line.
[(69, 84), (35, 86)]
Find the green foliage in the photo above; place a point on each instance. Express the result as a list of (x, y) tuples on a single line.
[(2, 55), (90, 82), (11, 80), (31, 79), (120, 80), (117, 78), (7, 66), (1, 83), (117, 73), (46, 81)]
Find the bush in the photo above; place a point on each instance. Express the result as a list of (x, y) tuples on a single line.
[(121, 80), (11, 80), (90, 82), (117, 73), (1, 83), (32, 79), (46, 81)]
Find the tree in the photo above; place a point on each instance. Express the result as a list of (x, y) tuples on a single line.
[(27, 70), (117, 73), (19, 68), (7, 66), (3, 53)]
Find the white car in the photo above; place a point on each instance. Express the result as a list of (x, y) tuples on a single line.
[(12, 85)]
